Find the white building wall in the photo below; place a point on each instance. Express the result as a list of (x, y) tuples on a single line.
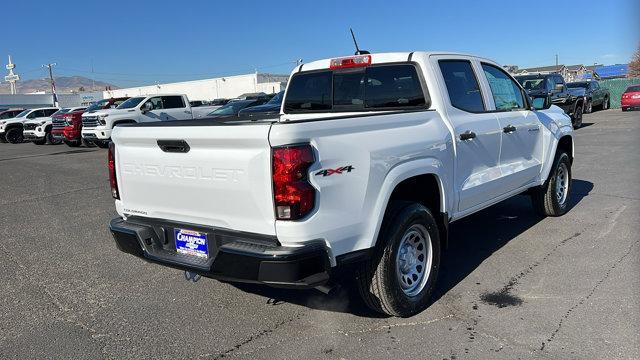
[(209, 89)]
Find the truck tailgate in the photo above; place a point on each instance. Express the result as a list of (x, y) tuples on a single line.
[(224, 180)]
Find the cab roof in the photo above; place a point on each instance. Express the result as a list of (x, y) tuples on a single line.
[(379, 58)]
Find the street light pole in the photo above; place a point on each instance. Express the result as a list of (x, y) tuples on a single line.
[(53, 86)]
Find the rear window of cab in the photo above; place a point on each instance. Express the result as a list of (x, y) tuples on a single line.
[(377, 87)]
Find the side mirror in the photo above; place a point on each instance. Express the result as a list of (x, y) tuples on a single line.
[(559, 87), (148, 106), (540, 103)]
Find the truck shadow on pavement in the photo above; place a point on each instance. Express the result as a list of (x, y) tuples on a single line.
[(471, 241)]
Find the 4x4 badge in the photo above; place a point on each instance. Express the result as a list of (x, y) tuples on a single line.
[(340, 170)]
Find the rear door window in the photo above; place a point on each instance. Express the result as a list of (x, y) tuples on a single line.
[(378, 87), (462, 85), (172, 102)]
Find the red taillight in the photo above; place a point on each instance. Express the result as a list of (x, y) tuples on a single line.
[(350, 62), (112, 171), (294, 197)]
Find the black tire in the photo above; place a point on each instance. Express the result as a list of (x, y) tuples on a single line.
[(51, 140), (73, 143), (102, 144), (3, 140), (544, 198), (87, 143), (14, 136), (605, 104), (40, 141), (576, 119), (589, 107), (625, 109), (377, 278)]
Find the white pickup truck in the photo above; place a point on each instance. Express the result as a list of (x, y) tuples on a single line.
[(98, 125), (370, 160), (12, 130)]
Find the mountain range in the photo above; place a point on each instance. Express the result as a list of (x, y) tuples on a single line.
[(64, 84)]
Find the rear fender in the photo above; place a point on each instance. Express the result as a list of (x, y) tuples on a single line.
[(404, 171)]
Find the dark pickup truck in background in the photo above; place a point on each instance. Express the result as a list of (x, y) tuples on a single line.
[(592, 92), (555, 90)]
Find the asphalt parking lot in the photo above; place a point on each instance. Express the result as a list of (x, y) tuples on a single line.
[(512, 285)]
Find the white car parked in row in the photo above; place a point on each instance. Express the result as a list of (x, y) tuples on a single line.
[(38, 130), (11, 130), (371, 159)]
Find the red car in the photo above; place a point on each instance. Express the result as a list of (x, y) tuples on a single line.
[(631, 98), (68, 127)]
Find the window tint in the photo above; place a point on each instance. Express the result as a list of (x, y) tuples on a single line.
[(374, 87), (393, 86), (462, 85), (506, 92), (36, 114), (50, 112), (172, 102), (309, 92)]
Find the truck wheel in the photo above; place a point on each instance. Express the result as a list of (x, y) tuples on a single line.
[(3, 140), (551, 199), (72, 143), (51, 140), (14, 136), (588, 108), (577, 117), (40, 141), (399, 279)]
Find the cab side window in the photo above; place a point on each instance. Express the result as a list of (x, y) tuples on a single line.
[(172, 102), (50, 112), (462, 85), (507, 95), (36, 114), (156, 102)]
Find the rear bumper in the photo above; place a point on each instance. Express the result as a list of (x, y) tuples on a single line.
[(233, 256)]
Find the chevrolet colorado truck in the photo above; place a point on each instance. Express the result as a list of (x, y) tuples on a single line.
[(97, 126), (68, 127), (38, 131), (11, 130), (369, 161)]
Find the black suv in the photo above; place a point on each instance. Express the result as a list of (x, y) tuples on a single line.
[(555, 90)]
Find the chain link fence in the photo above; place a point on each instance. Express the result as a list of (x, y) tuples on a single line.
[(616, 87)]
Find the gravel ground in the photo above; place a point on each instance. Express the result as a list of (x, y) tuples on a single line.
[(512, 285)]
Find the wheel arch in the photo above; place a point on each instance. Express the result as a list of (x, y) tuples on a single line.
[(425, 175), (123, 121)]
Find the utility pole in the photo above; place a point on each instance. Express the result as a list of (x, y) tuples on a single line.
[(556, 60), (53, 85)]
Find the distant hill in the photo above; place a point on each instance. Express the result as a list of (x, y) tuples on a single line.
[(64, 84)]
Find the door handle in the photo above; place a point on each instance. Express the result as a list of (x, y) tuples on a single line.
[(509, 129), (467, 135)]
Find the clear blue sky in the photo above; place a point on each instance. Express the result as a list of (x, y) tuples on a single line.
[(140, 42)]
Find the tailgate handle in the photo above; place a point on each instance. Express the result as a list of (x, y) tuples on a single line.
[(174, 146)]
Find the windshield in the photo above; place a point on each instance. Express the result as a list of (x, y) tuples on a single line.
[(531, 83), (98, 105), (61, 111), (635, 88), (231, 108), (23, 114), (131, 103), (576, 85), (276, 100)]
